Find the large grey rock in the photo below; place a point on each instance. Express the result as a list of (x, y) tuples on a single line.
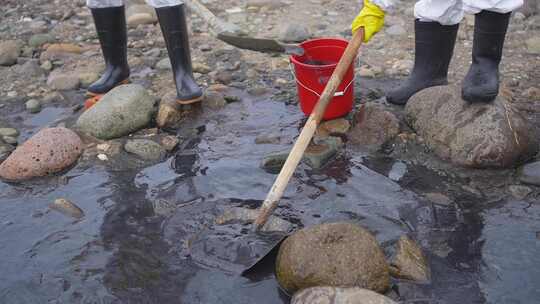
[(530, 174), (334, 295), (337, 254), (123, 110), (145, 149), (9, 52), (479, 135)]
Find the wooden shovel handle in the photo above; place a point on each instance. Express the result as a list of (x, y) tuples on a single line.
[(275, 194)]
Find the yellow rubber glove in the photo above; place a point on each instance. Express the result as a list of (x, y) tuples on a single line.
[(371, 18)]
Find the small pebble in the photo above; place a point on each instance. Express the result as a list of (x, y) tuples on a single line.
[(102, 157), (33, 106), (10, 140)]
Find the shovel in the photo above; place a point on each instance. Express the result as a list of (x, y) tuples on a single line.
[(233, 35), (226, 242)]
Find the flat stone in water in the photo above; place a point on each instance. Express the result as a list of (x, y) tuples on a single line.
[(530, 174)]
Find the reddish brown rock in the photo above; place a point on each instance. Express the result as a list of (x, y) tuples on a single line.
[(374, 127), (49, 151)]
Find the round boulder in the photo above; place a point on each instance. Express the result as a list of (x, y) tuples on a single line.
[(49, 151), (336, 254)]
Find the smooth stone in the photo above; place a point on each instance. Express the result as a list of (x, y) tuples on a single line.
[(336, 295), (201, 68), (60, 51), (373, 127), (63, 81), (139, 19), (50, 151), (9, 132), (67, 208), (410, 263), (533, 45), (338, 126), (145, 149), (164, 64), (274, 162), (320, 153), (39, 40), (478, 135), (30, 68), (336, 254), (33, 106), (520, 192), (214, 99), (268, 139), (170, 143), (10, 140), (87, 78), (125, 109), (9, 52), (530, 174)]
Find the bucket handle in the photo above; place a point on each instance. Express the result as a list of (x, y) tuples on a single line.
[(337, 94)]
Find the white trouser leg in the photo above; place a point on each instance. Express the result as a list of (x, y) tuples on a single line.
[(446, 12), (104, 3), (163, 3), (498, 6)]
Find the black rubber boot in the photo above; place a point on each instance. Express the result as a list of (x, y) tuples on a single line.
[(482, 81), (173, 24), (434, 50), (111, 29)]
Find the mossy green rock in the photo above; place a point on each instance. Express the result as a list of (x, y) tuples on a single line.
[(335, 255), (123, 110)]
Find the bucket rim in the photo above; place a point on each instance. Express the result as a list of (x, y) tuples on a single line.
[(295, 61)]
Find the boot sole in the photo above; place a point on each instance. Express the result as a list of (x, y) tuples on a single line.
[(92, 94), (189, 101)]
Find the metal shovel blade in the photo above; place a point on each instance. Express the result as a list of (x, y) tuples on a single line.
[(221, 237), (260, 44)]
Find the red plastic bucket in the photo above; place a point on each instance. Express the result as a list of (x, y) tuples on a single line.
[(314, 69)]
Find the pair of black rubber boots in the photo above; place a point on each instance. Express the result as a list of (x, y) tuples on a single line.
[(434, 51), (112, 32)]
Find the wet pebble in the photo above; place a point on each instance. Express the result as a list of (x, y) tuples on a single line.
[(519, 191), (263, 139), (10, 140), (9, 132), (145, 149), (374, 127), (274, 162), (438, 198), (410, 263), (202, 68), (320, 153), (338, 126), (33, 106), (530, 174), (214, 100), (67, 208), (170, 143)]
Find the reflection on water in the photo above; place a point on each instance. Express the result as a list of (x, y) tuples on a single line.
[(133, 244)]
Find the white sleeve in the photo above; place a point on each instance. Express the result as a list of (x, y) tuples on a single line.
[(384, 4)]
